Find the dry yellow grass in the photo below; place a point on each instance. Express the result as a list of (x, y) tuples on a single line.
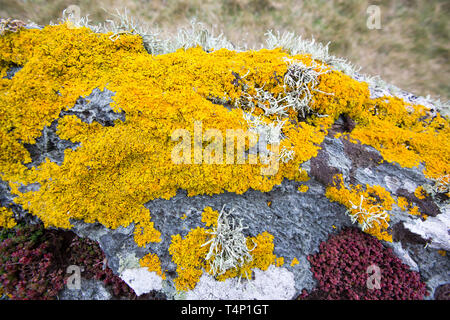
[(411, 50)]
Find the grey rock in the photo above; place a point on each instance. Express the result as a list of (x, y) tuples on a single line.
[(11, 72), (96, 107), (89, 290), (48, 145), (436, 229), (7, 201), (434, 268), (298, 221)]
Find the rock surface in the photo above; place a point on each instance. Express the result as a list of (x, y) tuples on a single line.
[(299, 221), (89, 290)]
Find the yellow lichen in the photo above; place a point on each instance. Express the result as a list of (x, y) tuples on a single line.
[(7, 218), (420, 193), (414, 211), (357, 198), (279, 261), (209, 217), (398, 131), (118, 168), (442, 252), (145, 233), (152, 263), (402, 132), (402, 202), (189, 254), (294, 262), (303, 188)]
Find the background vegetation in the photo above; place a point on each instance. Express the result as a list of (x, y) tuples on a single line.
[(411, 50)]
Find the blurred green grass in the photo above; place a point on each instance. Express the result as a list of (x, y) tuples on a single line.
[(411, 50)]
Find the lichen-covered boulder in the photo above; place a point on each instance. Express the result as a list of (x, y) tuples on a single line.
[(205, 171)]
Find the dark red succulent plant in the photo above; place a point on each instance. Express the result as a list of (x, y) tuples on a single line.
[(345, 269), (34, 260)]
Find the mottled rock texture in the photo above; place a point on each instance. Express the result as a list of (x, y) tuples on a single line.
[(298, 221)]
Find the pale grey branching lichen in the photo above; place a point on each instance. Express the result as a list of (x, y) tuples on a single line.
[(268, 133), (300, 82), (285, 154), (268, 102), (199, 35), (294, 45), (297, 45), (122, 23), (228, 245), (442, 184), (373, 214)]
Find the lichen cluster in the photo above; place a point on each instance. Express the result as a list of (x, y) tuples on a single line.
[(7, 218), (189, 254), (153, 264), (367, 206), (117, 169), (404, 205)]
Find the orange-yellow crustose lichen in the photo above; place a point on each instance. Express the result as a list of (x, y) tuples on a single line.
[(371, 196), (414, 211), (209, 217), (6, 218), (294, 262), (144, 231), (402, 202), (189, 254), (420, 193), (407, 135), (403, 133), (153, 264), (119, 168), (279, 261), (303, 188)]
